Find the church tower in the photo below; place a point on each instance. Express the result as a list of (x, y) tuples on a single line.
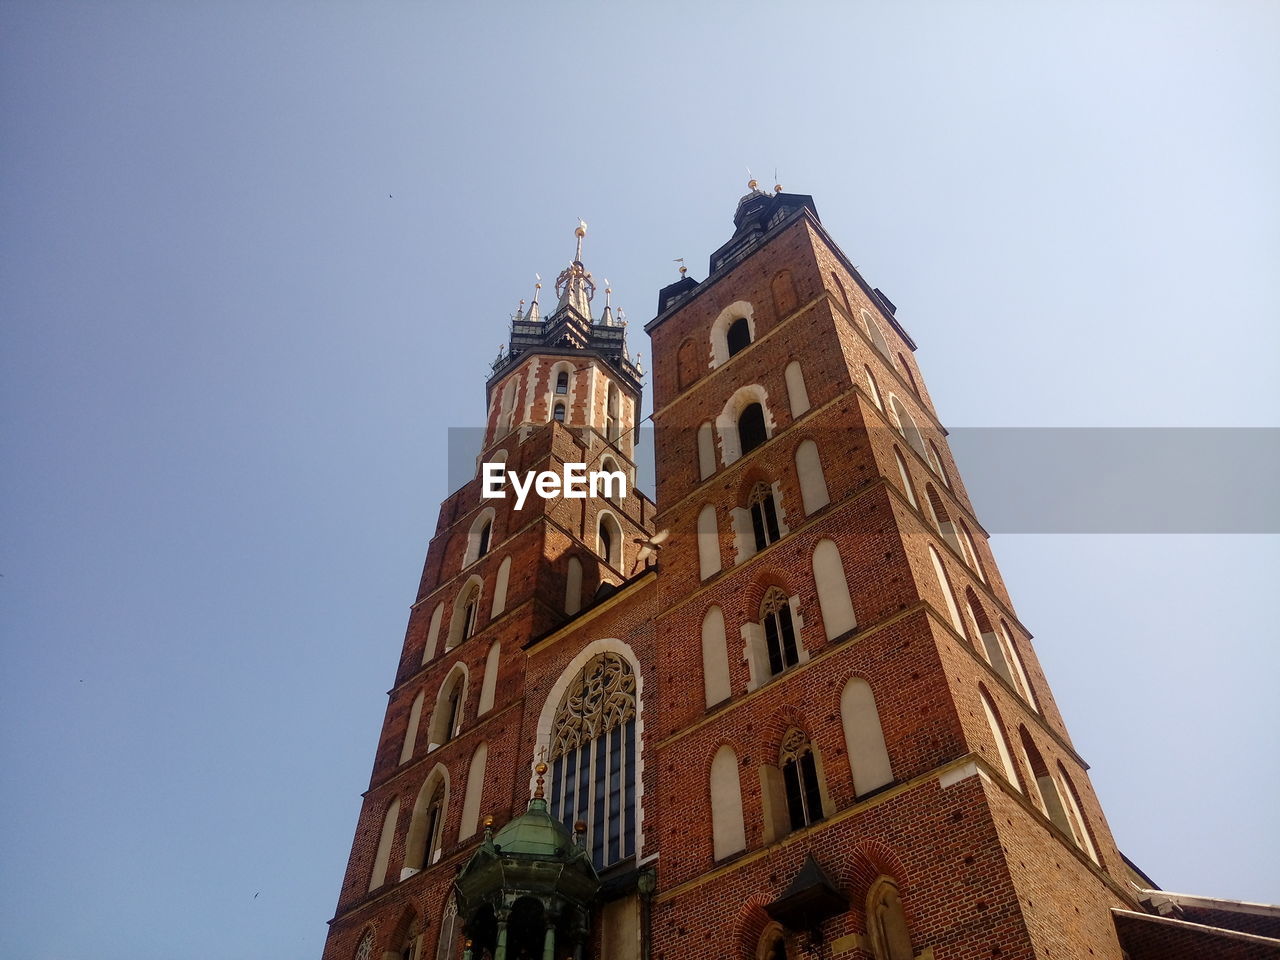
[(786, 712)]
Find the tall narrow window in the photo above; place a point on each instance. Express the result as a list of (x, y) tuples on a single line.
[(779, 632), (364, 951), (751, 430), (708, 542), (1011, 649), (486, 532), (764, 515), (738, 337), (728, 834), (473, 793), (797, 395), (906, 371), (813, 484), (800, 778), (411, 731), (887, 922), (613, 414), (907, 426), (864, 738), (431, 847), (715, 657), (833, 590), (873, 331), (1079, 828), (469, 610), (610, 540), (873, 388), (1050, 800), (945, 585), (379, 875), (593, 757), (558, 413), (424, 843), (906, 478), (446, 718), (448, 931), (997, 734), (935, 461), (562, 382)]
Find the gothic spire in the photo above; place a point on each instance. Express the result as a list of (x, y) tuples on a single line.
[(574, 285)]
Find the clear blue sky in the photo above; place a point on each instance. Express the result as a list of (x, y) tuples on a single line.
[(256, 257)]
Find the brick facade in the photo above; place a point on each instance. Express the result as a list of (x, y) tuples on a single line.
[(984, 866)]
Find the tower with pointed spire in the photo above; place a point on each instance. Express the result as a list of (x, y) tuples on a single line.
[(787, 711)]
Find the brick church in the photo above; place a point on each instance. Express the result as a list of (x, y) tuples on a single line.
[(785, 711)]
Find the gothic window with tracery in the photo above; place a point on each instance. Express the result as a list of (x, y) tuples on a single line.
[(779, 632), (593, 757), (365, 949), (764, 515), (800, 777)]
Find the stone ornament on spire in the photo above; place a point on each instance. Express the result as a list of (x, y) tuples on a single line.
[(574, 286)]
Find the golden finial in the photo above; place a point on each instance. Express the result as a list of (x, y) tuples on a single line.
[(580, 232), (488, 821), (579, 826), (541, 771), (753, 183), (683, 268), (777, 188)]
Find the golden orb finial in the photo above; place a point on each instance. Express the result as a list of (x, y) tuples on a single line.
[(488, 820), (752, 183), (777, 188)]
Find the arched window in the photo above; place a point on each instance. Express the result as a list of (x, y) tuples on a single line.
[(906, 371), (433, 633), (935, 461), (942, 519), (773, 943), (609, 536), (873, 331), (1011, 650), (905, 476), (489, 684), (507, 408), (864, 738), (558, 413), (945, 586), (738, 336), (613, 414), (612, 490), (738, 314), (988, 643), (751, 430), (562, 383), (1079, 828), (448, 931), (833, 590), (409, 945), (379, 875), (997, 734), (779, 632), (446, 718), (593, 757), (887, 922), (728, 834), (411, 731), (500, 588), (873, 388), (473, 792), (708, 542), (425, 842), (971, 552), (479, 537), (800, 779), (764, 515), (466, 613), (573, 587), (907, 426), (1046, 787), (813, 483), (797, 395), (706, 451), (364, 949), (715, 657)]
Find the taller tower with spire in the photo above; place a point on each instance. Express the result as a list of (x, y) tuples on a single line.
[(812, 725)]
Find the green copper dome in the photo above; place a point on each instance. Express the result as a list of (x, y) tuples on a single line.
[(535, 833)]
